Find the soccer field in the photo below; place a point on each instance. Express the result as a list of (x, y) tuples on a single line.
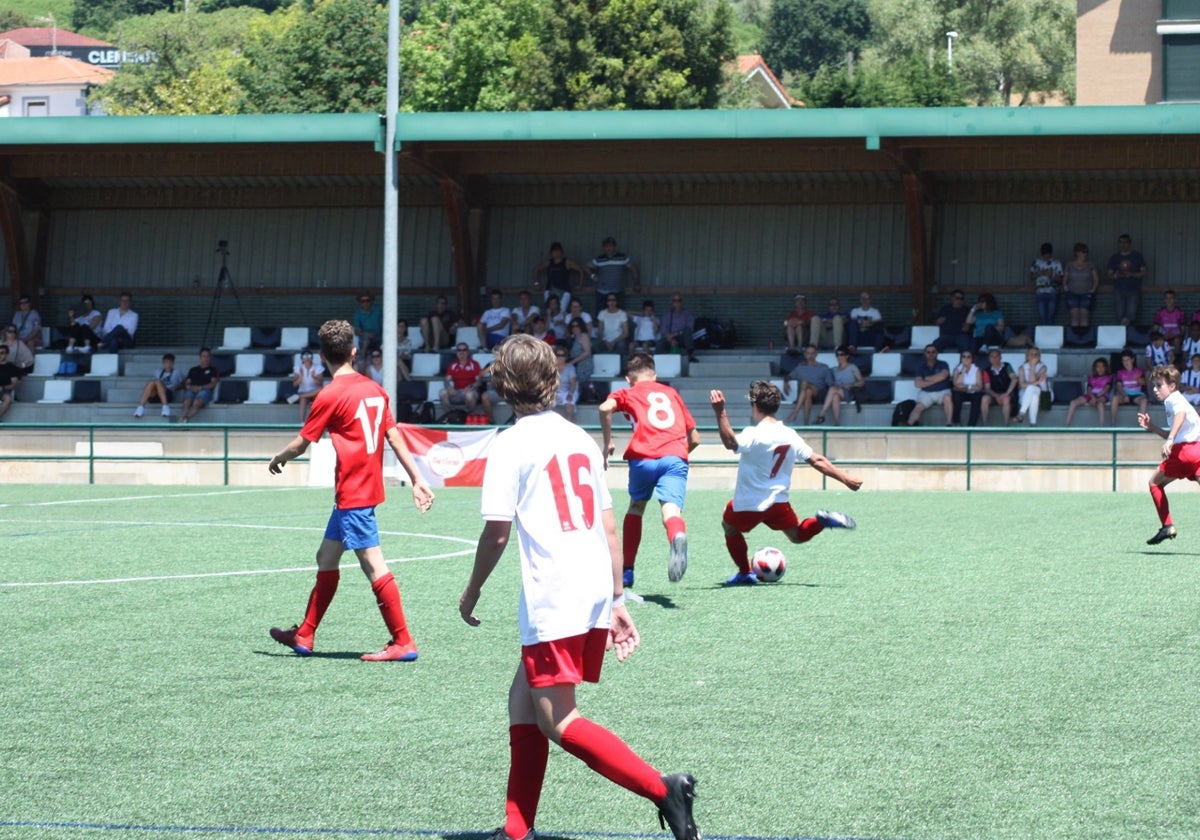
[(961, 666)]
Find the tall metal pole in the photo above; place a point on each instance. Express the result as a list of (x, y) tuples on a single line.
[(391, 204)]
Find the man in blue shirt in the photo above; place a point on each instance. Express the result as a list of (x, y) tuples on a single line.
[(933, 382)]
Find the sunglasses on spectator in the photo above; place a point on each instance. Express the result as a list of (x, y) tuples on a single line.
[(463, 349)]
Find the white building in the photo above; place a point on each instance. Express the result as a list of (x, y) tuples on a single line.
[(50, 86)]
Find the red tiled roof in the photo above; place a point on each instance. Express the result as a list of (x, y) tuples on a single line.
[(44, 36), (747, 64), (50, 70), (11, 49)]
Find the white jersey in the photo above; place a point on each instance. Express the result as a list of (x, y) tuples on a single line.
[(548, 474), (766, 453), (1189, 432)]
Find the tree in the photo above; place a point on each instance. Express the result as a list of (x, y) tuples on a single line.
[(805, 35), (11, 19)]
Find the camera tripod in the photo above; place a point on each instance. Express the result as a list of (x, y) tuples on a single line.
[(224, 281)]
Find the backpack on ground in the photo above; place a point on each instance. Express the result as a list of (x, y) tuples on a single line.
[(901, 411)]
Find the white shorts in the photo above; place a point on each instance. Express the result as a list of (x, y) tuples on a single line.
[(930, 398)]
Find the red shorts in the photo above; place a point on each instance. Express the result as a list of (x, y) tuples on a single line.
[(572, 660), (778, 517), (1183, 462)]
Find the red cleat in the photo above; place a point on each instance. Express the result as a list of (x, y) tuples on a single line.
[(393, 652), (288, 638)]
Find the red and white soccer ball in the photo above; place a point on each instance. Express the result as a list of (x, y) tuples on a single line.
[(768, 564)]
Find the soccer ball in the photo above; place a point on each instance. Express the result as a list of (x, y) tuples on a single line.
[(768, 564)]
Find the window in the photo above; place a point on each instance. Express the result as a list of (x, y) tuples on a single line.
[(1181, 68), (37, 107)]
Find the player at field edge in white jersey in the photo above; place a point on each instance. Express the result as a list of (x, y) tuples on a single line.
[(1180, 449), (766, 453), (354, 410), (664, 433), (547, 475)]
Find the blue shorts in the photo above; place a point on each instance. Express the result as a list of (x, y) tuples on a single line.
[(203, 396), (1083, 301), (662, 477), (354, 528)]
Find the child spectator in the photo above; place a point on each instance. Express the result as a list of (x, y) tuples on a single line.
[(1129, 385), (767, 451), (645, 329), (547, 475), (1033, 382), (162, 387), (1170, 320), (1180, 449), (663, 435), (355, 412), (1191, 344), (1158, 352), (1096, 391), (1189, 380)]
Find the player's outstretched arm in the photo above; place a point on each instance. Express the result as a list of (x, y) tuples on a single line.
[(487, 554), (826, 467), (724, 428), (606, 410), (293, 450), (422, 494)]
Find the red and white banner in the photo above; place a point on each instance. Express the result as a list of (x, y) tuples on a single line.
[(449, 459)]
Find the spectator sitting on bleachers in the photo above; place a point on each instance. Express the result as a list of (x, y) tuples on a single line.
[(557, 319), (1129, 385), (1033, 380), (813, 379), (495, 323), (1158, 352), (19, 353), (933, 386), (462, 381), (866, 325), (404, 351), (10, 379), (28, 323), (798, 326), (309, 379), (1171, 321), (120, 325), (522, 314), (847, 379), (375, 368), (645, 329), (999, 383), (967, 387), (1189, 380), (614, 327), (84, 322), (986, 320), (575, 310), (1096, 392), (368, 328), (1191, 344), (438, 326), (199, 386), (832, 326), (677, 328), (162, 387), (567, 396), (580, 351), (538, 329), (952, 324)]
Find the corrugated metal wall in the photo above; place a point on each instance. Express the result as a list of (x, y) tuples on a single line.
[(741, 246), (279, 248)]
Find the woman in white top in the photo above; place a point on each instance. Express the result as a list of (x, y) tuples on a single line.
[(1180, 449), (1032, 381), (308, 379), (968, 388), (85, 321)]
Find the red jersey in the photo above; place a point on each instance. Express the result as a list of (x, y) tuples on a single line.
[(661, 421), (463, 374), (354, 410)]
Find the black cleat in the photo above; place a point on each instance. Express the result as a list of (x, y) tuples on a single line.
[(1166, 532), (675, 811)]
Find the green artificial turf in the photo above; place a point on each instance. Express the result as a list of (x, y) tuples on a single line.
[(961, 666)]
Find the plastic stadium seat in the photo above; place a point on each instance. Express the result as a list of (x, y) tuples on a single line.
[(56, 391), (46, 364), (104, 364), (1082, 337), (1110, 337), (1048, 337), (232, 391), (264, 337), (433, 389), (426, 364), (235, 338), (468, 336), (1066, 391), (223, 364), (263, 392), (877, 391), (923, 335), (248, 365), (483, 357), (293, 338), (903, 389), (667, 365), (899, 336), (606, 365), (278, 364), (782, 385), (885, 364), (86, 392)]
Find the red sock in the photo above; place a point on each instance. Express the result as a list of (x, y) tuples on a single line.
[(1159, 495), (387, 596), (528, 750), (318, 601), (675, 525), (611, 757), (809, 528), (631, 538), (736, 543)]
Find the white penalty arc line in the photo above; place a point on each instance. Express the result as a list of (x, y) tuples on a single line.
[(469, 550)]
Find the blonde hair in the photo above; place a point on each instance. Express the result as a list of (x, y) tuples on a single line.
[(525, 374)]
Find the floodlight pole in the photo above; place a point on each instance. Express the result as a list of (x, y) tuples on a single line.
[(391, 205), (950, 36)]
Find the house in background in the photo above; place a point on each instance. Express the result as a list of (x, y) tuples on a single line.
[(50, 86), (46, 40), (1137, 52), (767, 90)]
